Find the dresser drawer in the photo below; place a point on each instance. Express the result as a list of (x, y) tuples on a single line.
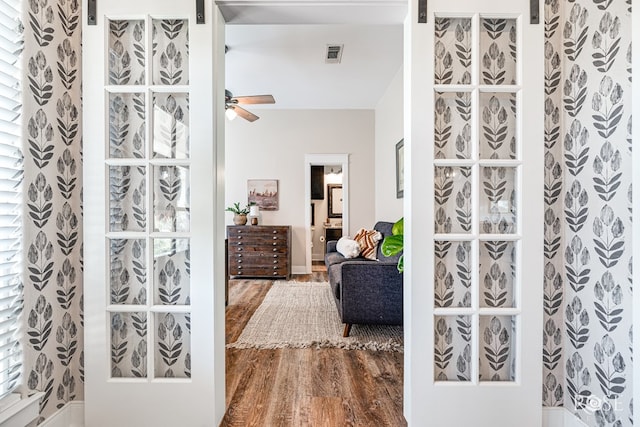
[(259, 271)]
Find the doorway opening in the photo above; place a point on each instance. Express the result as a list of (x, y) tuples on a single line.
[(327, 213), (301, 364)]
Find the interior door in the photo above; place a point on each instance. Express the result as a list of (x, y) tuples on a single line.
[(153, 132), (473, 226)]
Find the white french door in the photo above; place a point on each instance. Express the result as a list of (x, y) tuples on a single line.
[(473, 220), (153, 138)]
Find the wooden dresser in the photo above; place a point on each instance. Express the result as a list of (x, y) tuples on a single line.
[(259, 251)]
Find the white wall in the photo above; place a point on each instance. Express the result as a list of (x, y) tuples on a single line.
[(389, 130), (274, 148)]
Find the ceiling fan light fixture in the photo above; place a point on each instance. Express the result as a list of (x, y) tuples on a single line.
[(230, 113)]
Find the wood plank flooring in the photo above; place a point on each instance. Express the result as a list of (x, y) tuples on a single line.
[(306, 387)]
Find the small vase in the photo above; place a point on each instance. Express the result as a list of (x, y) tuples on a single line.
[(240, 219)]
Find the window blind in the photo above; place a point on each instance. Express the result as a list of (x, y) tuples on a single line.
[(11, 204)]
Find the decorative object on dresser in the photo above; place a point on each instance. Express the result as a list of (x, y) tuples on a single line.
[(259, 251), (239, 214)]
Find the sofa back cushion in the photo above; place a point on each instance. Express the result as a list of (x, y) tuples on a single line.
[(384, 228)]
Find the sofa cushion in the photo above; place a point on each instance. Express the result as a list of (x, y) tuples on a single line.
[(349, 248), (333, 258), (368, 241)]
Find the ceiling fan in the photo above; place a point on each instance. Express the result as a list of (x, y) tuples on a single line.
[(233, 109)]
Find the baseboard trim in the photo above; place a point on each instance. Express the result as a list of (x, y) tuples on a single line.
[(298, 269), (70, 415), (560, 417)]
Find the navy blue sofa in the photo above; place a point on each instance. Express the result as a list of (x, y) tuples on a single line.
[(366, 291)]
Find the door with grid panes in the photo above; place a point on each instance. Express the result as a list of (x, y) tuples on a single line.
[(154, 333), (474, 214)]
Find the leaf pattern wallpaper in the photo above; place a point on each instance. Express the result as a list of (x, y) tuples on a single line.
[(587, 351), (587, 193), (53, 312)]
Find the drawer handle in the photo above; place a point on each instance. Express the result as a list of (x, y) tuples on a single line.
[(239, 237), (240, 267), (239, 255), (239, 261), (274, 249), (274, 243), (275, 262), (275, 255), (275, 237), (274, 231)]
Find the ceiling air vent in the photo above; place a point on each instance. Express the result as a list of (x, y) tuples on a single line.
[(334, 53)]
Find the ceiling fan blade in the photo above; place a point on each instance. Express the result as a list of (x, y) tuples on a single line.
[(247, 115), (254, 99)]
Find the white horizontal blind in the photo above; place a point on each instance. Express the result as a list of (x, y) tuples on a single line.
[(11, 203)]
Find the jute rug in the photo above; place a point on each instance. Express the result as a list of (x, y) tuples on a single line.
[(304, 315)]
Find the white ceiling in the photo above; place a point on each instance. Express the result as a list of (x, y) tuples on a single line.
[(281, 51)]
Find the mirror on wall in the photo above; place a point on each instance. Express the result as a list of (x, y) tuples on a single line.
[(334, 192)]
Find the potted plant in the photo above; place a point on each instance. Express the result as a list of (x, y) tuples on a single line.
[(392, 245), (239, 214)]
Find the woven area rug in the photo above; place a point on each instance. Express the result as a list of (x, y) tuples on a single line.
[(304, 315)]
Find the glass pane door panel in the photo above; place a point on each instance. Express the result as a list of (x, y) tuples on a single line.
[(172, 271), (452, 51), (497, 274), (127, 125), (129, 345), (452, 278), (452, 199), (452, 126), (170, 52), (171, 204), (126, 52), (173, 338), (145, 175), (128, 271), (498, 38), (452, 348), (127, 204), (498, 213), (498, 125), (497, 349), (170, 126)]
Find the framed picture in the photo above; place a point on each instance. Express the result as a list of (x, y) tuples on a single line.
[(264, 193), (400, 169)]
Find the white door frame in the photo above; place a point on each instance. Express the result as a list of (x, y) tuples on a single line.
[(321, 160)]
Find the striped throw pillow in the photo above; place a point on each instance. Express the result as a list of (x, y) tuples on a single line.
[(368, 241)]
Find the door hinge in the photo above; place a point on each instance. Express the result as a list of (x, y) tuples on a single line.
[(199, 11), (535, 11), (422, 11), (91, 12)]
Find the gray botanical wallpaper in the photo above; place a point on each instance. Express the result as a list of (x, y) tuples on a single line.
[(587, 350), (591, 156), (53, 314)]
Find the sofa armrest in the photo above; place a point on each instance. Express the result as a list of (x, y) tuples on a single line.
[(371, 292), (331, 246)]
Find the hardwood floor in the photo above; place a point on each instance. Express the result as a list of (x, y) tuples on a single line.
[(306, 387)]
